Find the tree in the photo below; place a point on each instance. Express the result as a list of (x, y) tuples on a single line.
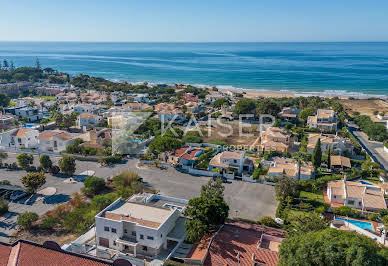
[(45, 162), (3, 206), (195, 229), (302, 223), (245, 106), (331, 247), (3, 155), (207, 211), (385, 221), (26, 219), (33, 181), (329, 159), (4, 100), (286, 187), (164, 143), (268, 106), (37, 63), (67, 165), (25, 160), (306, 113), (317, 155), (93, 185), (299, 158), (221, 102), (5, 64)]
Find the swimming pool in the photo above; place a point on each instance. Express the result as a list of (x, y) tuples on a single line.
[(366, 183), (361, 224), (30, 125)]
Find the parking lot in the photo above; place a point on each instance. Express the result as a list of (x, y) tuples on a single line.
[(246, 200)]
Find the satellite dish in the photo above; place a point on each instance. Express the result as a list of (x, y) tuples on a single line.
[(121, 262), (52, 245)]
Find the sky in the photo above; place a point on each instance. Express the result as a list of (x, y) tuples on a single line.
[(194, 20)]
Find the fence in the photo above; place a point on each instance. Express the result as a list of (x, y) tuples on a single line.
[(202, 172)]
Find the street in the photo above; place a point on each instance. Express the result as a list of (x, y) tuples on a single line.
[(375, 149)]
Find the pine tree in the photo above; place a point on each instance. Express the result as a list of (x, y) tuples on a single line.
[(317, 155), (37, 63), (5, 64), (329, 159)]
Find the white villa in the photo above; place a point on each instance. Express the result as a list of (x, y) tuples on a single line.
[(143, 226)]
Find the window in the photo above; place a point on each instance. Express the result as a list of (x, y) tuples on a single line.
[(113, 230), (114, 243), (134, 233), (351, 202), (335, 196), (125, 231), (150, 237), (106, 228), (141, 236), (144, 248)]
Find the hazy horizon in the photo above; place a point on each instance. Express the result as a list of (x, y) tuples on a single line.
[(195, 21)]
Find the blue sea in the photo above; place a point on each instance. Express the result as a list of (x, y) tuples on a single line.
[(340, 68)]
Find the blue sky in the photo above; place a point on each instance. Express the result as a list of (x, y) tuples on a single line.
[(194, 21)]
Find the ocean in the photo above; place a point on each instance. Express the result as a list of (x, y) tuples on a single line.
[(327, 68)]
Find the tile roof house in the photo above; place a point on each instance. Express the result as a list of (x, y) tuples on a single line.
[(168, 111), (356, 195), (324, 120), (340, 162), (235, 161), (190, 97), (289, 114), (335, 143), (26, 253), (20, 138), (287, 167), (275, 139), (182, 156), (55, 140), (241, 243)]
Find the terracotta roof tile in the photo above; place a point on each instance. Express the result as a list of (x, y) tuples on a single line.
[(24, 253), (243, 239)]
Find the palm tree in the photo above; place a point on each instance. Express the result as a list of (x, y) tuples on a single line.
[(299, 158)]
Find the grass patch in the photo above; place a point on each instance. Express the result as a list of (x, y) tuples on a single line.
[(48, 98), (313, 196)]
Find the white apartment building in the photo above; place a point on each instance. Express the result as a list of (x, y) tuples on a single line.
[(143, 226), (235, 161)]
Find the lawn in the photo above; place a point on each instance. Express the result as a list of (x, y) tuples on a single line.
[(48, 98), (318, 196)]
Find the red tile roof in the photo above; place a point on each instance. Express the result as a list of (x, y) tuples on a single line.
[(191, 155), (25, 253), (242, 238)]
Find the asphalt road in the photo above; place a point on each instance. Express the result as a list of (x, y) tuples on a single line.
[(245, 200), (374, 148)]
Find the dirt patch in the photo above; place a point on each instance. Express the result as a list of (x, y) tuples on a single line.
[(229, 134), (40, 236), (365, 107)]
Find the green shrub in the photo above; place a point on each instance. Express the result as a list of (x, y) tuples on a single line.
[(93, 185), (49, 222), (373, 216), (268, 221), (3, 206), (26, 219)]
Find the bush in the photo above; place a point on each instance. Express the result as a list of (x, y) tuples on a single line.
[(93, 185), (45, 162), (3, 206), (373, 216), (26, 219), (49, 222), (67, 165), (268, 221)]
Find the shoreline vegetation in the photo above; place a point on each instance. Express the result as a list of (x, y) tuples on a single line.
[(9, 73)]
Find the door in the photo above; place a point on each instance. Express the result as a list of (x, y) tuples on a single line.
[(104, 242)]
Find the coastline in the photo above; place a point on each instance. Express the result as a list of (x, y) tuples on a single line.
[(276, 93)]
